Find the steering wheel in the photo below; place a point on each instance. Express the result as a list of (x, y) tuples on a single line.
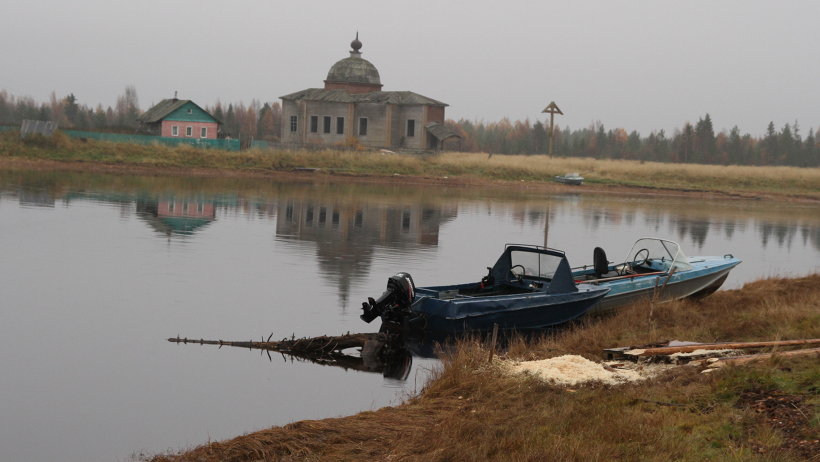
[(641, 257), (518, 276)]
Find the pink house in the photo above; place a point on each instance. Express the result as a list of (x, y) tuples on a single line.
[(180, 118)]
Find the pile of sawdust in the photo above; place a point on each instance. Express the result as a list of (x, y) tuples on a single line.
[(574, 369)]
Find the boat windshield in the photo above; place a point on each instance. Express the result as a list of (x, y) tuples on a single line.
[(534, 264), (658, 254)]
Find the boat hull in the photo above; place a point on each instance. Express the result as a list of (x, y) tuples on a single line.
[(570, 181), (519, 312), (697, 282)]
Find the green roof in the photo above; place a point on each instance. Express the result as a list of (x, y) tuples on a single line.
[(167, 107), (342, 96)]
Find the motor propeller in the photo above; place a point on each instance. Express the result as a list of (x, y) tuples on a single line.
[(394, 303)]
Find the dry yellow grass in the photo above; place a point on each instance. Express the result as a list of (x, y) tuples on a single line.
[(780, 181), (473, 411), (636, 173)]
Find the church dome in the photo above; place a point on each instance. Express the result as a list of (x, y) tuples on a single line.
[(354, 69)]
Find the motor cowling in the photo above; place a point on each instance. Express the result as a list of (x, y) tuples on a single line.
[(396, 299)]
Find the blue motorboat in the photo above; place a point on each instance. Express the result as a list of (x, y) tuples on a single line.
[(654, 269), (529, 287)]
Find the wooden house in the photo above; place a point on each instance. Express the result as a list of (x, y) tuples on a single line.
[(179, 118)]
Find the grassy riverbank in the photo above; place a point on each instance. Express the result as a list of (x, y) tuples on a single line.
[(475, 411), (454, 168)]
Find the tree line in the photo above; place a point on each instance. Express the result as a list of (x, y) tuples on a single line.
[(247, 122), (691, 144), (696, 143)]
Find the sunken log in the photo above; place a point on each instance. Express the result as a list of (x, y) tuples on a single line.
[(377, 352), (308, 345)]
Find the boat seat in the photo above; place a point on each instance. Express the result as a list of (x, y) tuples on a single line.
[(600, 262)]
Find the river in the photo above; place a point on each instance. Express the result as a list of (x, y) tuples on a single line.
[(96, 271)]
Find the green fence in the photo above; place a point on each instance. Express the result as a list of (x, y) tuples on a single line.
[(228, 145)]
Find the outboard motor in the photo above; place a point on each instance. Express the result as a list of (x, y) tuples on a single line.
[(394, 303)]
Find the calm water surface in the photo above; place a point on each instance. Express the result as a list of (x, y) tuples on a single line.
[(97, 271)]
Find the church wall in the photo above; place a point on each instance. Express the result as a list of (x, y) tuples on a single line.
[(290, 108), (435, 114), (304, 110), (402, 115), (321, 110), (377, 126)]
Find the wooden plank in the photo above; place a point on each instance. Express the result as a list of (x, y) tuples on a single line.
[(721, 346), (763, 356)]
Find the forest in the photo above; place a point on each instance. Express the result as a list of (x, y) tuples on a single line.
[(698, 143)]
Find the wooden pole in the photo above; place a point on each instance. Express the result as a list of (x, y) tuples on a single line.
[(552, 109), (552, 115), (762, 356), (492, 343)]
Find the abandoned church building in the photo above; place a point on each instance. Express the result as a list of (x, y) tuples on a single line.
[(352, 106)]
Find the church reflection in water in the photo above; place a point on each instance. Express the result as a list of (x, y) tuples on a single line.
[(346, 234)]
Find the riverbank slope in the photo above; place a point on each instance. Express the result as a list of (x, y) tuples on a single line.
[(453, 169), (474, 410)]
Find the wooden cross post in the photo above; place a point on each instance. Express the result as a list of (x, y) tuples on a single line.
[(552, 109)]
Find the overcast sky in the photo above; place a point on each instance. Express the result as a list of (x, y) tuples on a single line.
[(640, 65)]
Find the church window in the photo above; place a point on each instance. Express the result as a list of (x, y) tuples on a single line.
[(326, 124), (314, 124), (362, 126), (340, 125), (411, 127), (293, 120)]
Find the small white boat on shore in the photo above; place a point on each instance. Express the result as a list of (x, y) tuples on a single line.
[(570, 178)]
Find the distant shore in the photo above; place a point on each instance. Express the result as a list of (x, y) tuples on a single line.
[(529, 173)]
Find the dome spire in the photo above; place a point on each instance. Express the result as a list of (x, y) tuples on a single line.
[(356, 45)]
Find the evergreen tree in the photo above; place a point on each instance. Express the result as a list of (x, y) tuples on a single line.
[(539, 138), (231, 126), (45, 112), (811, 150), (6, 110), (769, 151), (735, 147), (71, 109), (100, 121), (704, 142)]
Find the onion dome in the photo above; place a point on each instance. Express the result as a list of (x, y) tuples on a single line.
[(354, 69)]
